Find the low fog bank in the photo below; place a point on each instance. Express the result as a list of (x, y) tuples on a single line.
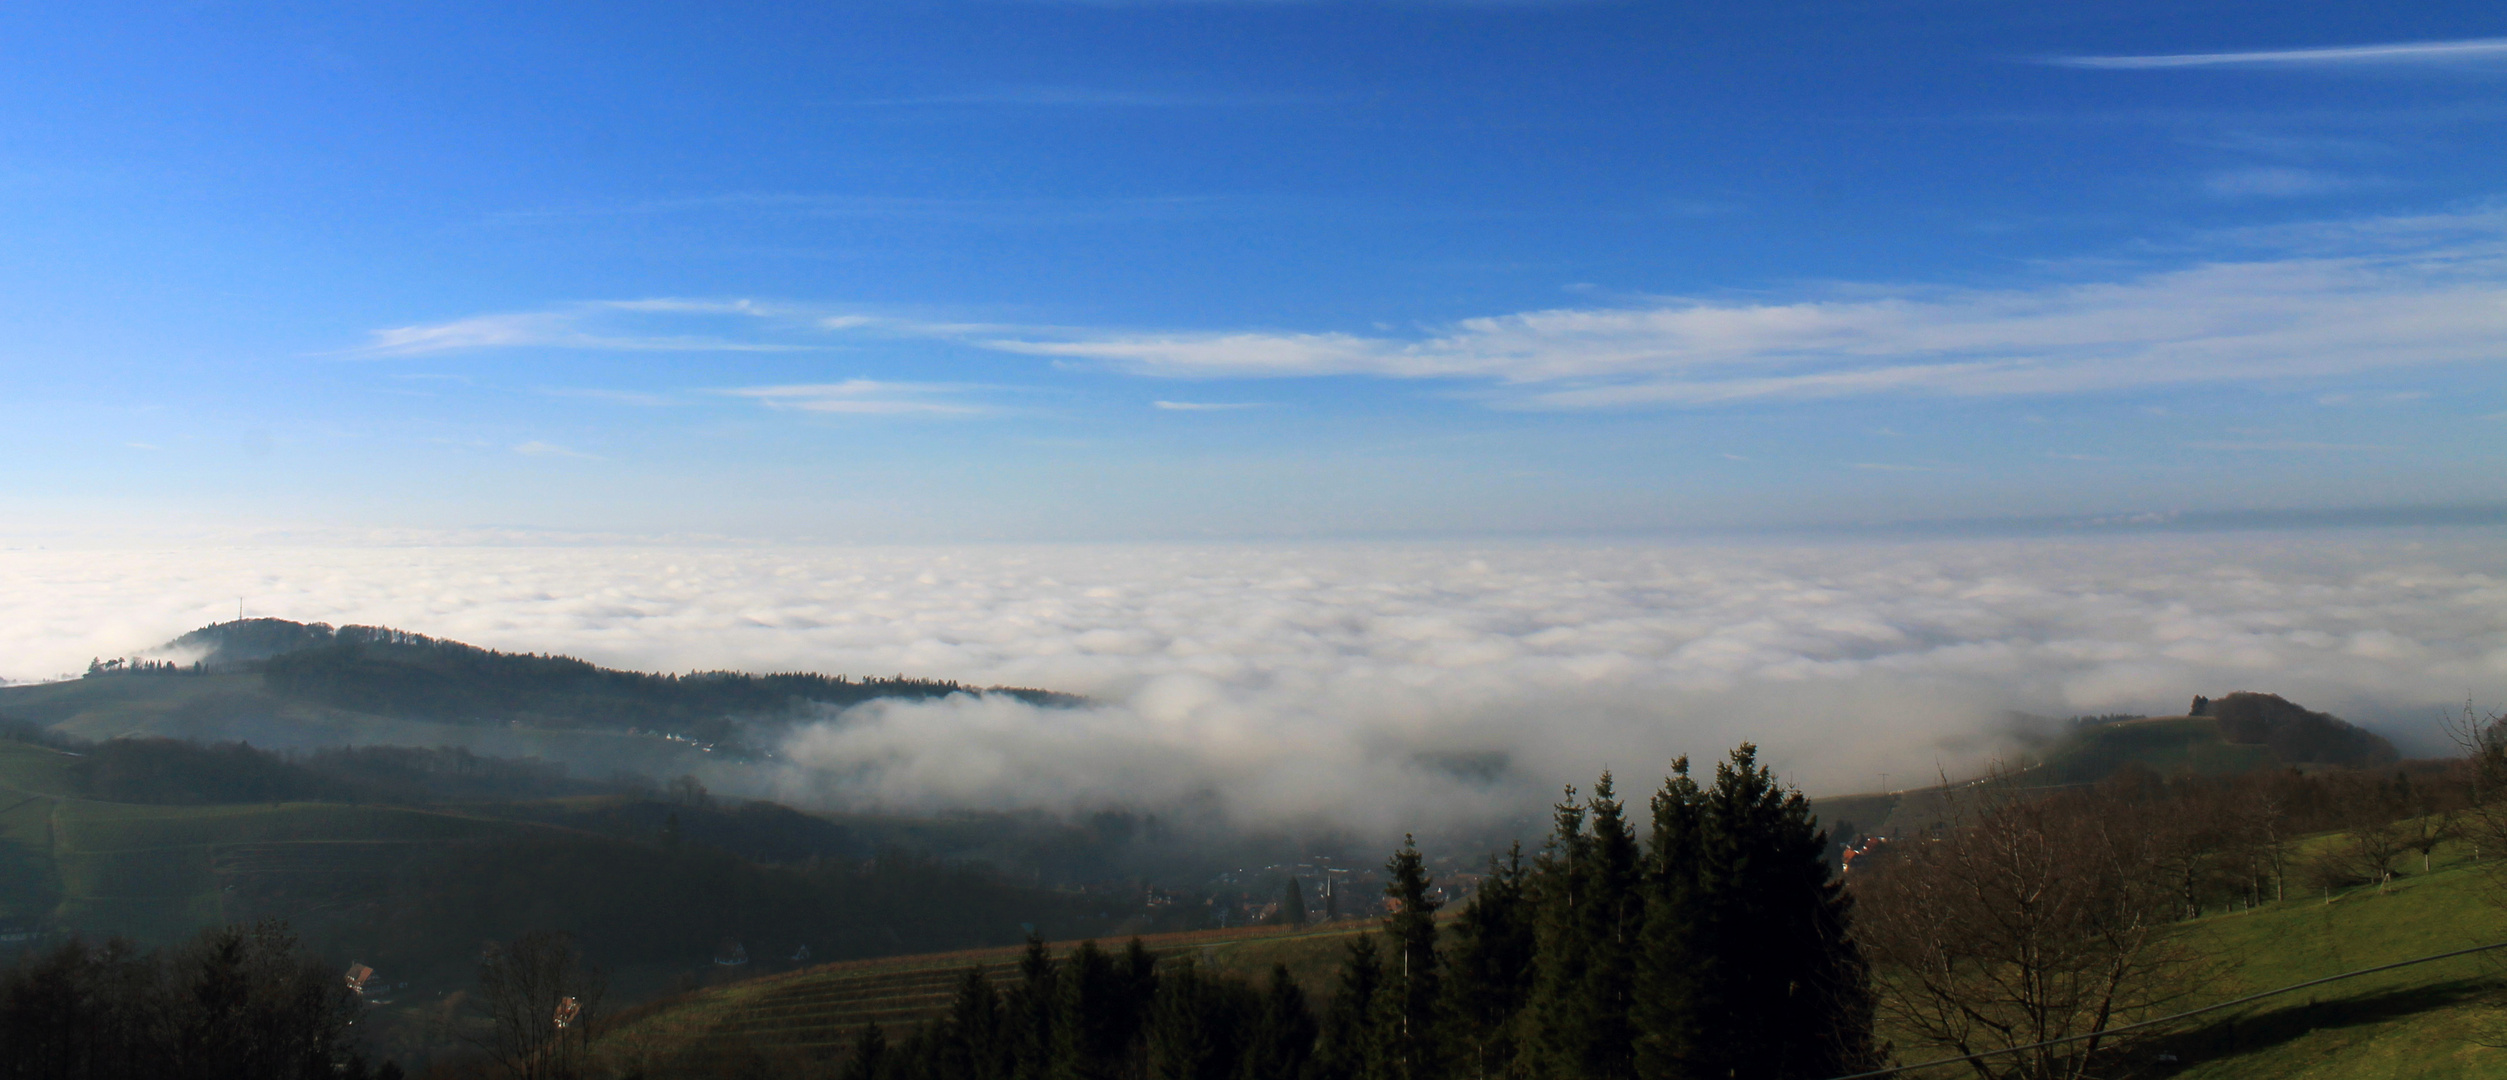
[(1382, 687)]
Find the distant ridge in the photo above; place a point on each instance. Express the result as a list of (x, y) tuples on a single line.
[(2295, 735), (2237, 732), (395, 673)]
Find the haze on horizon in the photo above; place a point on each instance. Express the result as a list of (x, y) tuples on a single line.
[(1782, 362)]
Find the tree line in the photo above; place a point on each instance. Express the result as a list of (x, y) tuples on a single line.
[(236, 1003), (1706, 938)]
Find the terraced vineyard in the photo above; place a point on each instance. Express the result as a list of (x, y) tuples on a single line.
[(818, 1010)]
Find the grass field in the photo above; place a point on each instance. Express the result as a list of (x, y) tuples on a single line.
[(2426, 1021)]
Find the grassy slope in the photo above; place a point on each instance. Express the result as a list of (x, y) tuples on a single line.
[(2417, 1022)]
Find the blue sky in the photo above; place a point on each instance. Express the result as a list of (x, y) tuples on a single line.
[(939, 271)]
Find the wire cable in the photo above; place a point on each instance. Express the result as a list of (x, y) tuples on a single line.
[(1896, 1069)]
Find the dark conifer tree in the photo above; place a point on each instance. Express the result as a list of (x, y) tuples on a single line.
[(1585, 888), (869, 1059), (1199, 1025), (1103, 1003), (1562, 954), (1293, 904), (1413, 987), (1488, 972), (1281, 1043), (1347, 1048), (970, 1043), (1612, 920), (1029, 1013), (1142, 969), (1789, 995), (1674, 971)]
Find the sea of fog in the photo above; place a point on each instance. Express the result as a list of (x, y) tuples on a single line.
[(1378, 685)]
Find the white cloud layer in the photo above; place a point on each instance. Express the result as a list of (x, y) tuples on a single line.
[(1370, 684)]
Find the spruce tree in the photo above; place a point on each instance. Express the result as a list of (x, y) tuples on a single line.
[(1028, 1016), (1788, 995), (1488, 971), (869, 1059), (1094, 1020), (1612, 918), (1413, 988), (1675, 971), (1293, 904), (1347, 1048), (970, 1043), (1199, 1025), (1555, 1009), (1591, 913), (1280, 1045)]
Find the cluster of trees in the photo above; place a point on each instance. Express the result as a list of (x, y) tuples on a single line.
[(1105, 1015), (237, 1003), (98, 668), (1708, 942)]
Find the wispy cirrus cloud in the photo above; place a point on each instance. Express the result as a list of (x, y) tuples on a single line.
[(1044, 96), (536, 448), (2349, 298), (2291, 446), (864, 397), (2278, 182), (2398, 54), (636, 398), (1207, 406), (612, 325), (2319, 301)]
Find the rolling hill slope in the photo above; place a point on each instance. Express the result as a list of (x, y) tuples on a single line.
[(280, 683), (413, 889)]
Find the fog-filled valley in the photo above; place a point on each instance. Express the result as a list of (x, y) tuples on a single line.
[(1375, 688), (952, 747)]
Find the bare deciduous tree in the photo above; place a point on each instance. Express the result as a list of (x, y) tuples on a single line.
[(540, 1001), (2028, 919)]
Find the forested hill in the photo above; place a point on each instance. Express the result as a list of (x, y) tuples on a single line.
[(386, 672)]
